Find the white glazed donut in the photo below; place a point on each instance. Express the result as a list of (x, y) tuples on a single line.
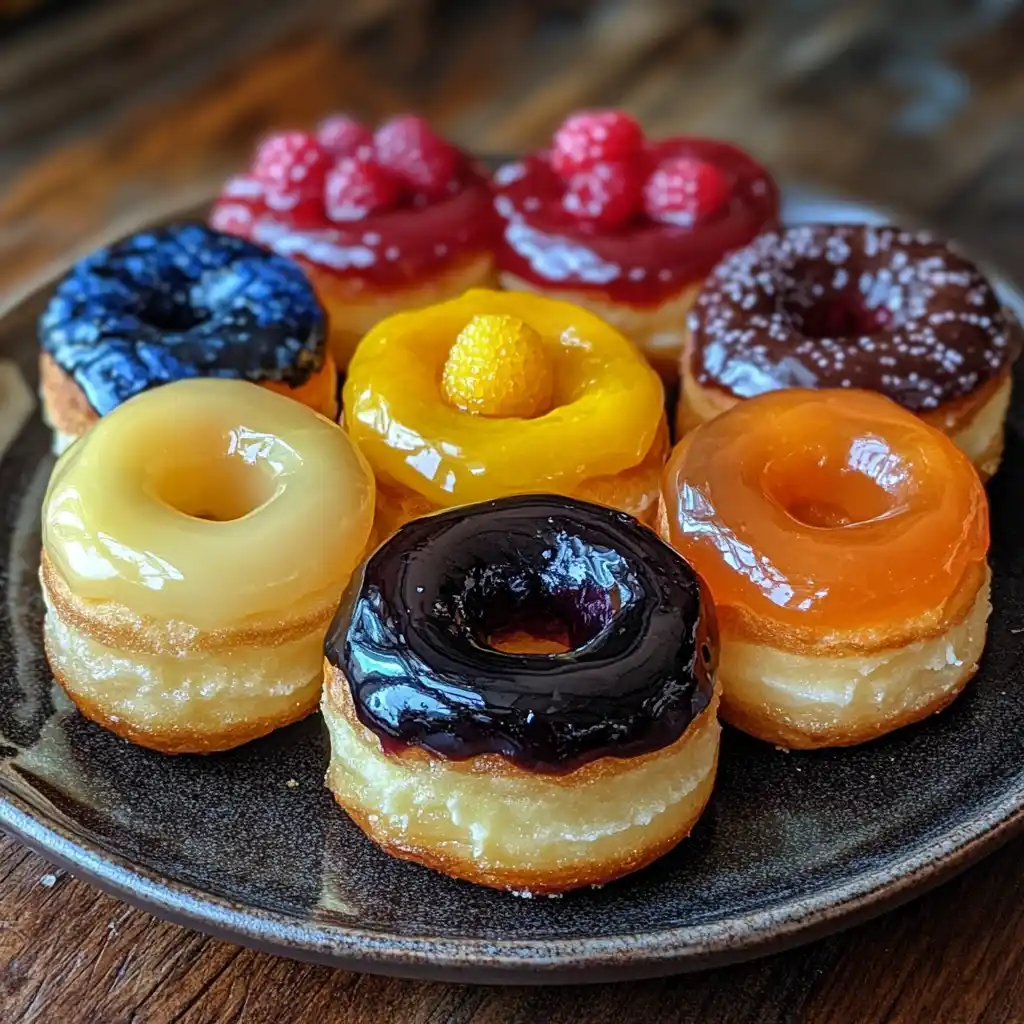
[(195, 544)]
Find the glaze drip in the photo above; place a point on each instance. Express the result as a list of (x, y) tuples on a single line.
[(643, 262), (412, 635), (391, 249)]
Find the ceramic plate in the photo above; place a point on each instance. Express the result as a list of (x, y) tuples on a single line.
[(249, 845)]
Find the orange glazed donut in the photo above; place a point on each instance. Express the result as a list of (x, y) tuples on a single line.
[(844, 543), (494, 394)]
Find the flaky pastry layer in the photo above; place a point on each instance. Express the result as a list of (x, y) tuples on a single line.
[(804, 701), (488, 821), (195, 702), (120, 628)]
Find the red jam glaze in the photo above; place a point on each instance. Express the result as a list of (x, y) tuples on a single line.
[(391, 249), (644, 262)]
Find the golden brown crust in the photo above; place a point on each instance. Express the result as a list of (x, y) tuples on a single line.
[(763, 630), (354, 306), (556, 875), (318, 392), (67, 410), (809, 701), (595, 873), (988, 459), (65, 407), (953, 417), (772, 729), (119, 628), (182, 740)]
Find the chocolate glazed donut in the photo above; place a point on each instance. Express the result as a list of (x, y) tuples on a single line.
[(532, 772), (412, 635)]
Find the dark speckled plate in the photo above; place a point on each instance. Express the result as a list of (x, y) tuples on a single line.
[(249, 846)]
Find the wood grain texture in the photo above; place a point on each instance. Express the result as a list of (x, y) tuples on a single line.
[(131, 109)]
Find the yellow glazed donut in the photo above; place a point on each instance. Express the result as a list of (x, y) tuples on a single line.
[(195, 544), (494, 394)]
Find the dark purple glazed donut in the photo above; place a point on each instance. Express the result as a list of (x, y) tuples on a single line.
[(412, 635), (850, 306)]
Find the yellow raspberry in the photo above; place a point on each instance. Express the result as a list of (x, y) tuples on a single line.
[(498, 366)]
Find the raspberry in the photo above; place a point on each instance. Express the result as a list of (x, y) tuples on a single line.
[(291, 161), (421, 160), (357, 187), (342, 135), (685, 191), (498, 366), (594, 137), (300, 208), (607, 194)]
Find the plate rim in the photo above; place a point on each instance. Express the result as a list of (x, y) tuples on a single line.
[(790, 923), (787, 923)]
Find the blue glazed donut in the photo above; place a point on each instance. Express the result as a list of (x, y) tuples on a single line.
[(176, 302)]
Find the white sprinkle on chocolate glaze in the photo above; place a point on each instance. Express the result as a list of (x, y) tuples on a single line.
[(849, 305)]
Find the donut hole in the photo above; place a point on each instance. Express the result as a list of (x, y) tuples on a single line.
[(165, 313), (531, 621), (222, 491), (549, 638), (559, 597), (818, 310), (822, 489)]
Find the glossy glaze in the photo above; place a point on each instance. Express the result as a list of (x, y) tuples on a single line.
[(182, 301), (388, 250), (823, 513), (211, 503), (413, 635), (840, 305), (643, 262), (605, 416)]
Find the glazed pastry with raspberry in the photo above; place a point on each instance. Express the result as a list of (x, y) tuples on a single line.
[(626, 226), (500, 393), (381, 221)]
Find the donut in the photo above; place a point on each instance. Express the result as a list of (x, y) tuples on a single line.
[(178, 302), (855, 306), (628, 228), (195, 545), (382, 222), (497, 393), (521, 693), (844, 542)]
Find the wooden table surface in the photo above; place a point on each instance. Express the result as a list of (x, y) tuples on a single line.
[(111, 111)]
